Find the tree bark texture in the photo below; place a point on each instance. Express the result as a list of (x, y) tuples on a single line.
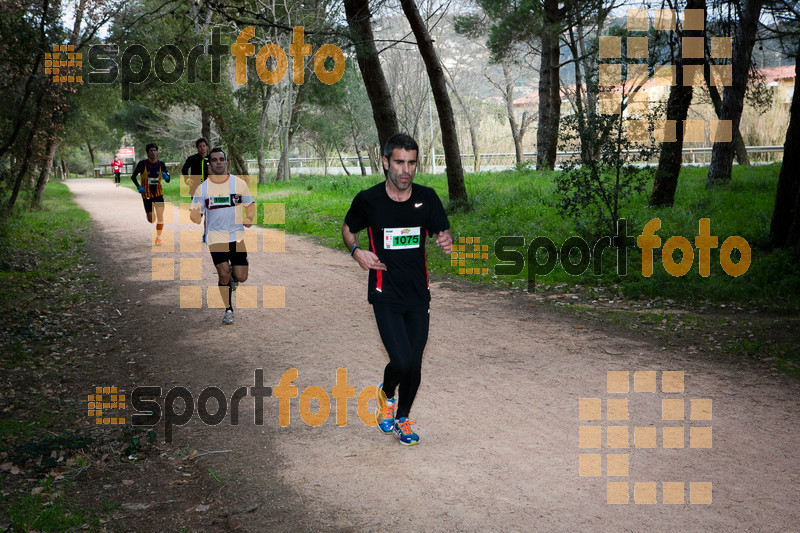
[(205, 126), (549, 91), (476, 153), (452, 155), (733, 100), (670, 157), (785, 225), (716, 100), (23, 170), (44, 173), (383, 111)]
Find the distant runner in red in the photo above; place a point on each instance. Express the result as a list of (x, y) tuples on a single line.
[(116, 166), (152, 170), (398, 217)]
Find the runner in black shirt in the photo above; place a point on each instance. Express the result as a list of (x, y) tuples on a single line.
[(195, 171), (398, 218)]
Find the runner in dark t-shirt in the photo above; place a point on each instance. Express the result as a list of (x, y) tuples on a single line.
[(397, 232), (398, 218), (152, 171), (195, 170)]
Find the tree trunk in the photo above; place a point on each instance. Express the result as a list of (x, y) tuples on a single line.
[(234, 157), (549, 91), (452, 155), (739, 146), (508, 96), (23, 171), (284, 170), (785, 226), (205, 126), (44, 174), (579, 110), (383, 111), (22, 115), (719, 171), (91, 153), (361, 161), (341, 160), (473, 136), (238, 161), (374, 154), (680, 97), (262, 129)]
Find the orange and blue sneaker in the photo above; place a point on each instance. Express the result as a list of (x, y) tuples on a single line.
[(386, 411), (402, 431), (158, 241)]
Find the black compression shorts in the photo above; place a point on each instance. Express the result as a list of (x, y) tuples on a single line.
[(236, 253), (148, 203)]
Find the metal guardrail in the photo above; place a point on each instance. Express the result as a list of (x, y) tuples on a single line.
[(489, 161), (494, 161)]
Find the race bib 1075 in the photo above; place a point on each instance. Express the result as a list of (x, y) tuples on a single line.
[(401, 238), (220, 201)]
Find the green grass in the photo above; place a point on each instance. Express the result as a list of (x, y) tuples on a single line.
[(42, 513), (9, 427), (38, 247), (522, 203)]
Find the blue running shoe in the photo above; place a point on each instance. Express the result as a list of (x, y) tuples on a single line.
[(402, 431), (386, 411)]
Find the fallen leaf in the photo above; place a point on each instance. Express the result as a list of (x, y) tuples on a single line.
[(127, 482)]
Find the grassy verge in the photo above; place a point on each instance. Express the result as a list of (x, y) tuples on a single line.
[(50, 327)]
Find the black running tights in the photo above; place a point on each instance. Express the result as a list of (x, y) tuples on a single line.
[(404, 332)]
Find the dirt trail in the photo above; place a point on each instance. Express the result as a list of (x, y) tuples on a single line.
[(497, 410)]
